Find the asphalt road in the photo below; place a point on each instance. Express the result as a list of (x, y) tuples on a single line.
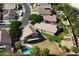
[(25, 20)]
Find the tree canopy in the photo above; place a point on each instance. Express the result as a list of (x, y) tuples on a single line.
[(36, 51), (14, 31), (34, 18), (70, 14)]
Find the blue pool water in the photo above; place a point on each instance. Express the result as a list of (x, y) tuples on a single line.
[(26, 50)]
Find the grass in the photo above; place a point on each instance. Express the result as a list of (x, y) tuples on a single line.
[(56, 39), (4, 52), (49, 36), (65, 30), (49, 45)]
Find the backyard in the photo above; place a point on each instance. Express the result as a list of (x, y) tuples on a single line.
[(53, 48)]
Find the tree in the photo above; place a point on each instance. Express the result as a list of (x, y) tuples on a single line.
[(57, 6), (34, 18), (1, 11), (75, 49), (15, 32), (45, 52), (15, 24), (17, 45), (70, 15), (35, 51)]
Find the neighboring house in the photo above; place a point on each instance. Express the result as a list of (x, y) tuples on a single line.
[(41, 4), (5, 40), (44, 27), (27, 33), (43, 9), (45, 12), (11, 15), (10, 6), (10, 11), (50, 19), (67, 41)]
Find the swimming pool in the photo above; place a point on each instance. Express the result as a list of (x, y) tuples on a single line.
[(26, 50)]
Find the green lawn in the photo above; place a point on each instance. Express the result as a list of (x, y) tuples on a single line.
[(57, 39), (49, 36), (4, 52), (52, 37)]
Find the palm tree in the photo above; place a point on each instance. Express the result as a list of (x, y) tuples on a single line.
[(1, 12), (70, 15)]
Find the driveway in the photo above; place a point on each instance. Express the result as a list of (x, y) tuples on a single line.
[(25, 20)]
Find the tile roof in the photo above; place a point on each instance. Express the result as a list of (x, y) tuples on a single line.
[(27, 31), (9, 5), (46, 27), (49, 18), (45, 12), (4, 37), (42, 4)]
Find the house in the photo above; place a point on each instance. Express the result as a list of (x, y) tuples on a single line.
[(5, 40), (11, 15), (9, 5), (43, 8), (12, 11), (44, 27), (67, 41), (27, 33), (45, 12), (42, 4), (50, 19)]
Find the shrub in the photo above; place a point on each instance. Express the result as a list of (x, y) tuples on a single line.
[(34, 18), (75, 49), (17, 45), (35, 51), (65, 30), (45, 52), (61, 35), (56, 39)]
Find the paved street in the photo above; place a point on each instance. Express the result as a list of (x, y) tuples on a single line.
[(25, 20)]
